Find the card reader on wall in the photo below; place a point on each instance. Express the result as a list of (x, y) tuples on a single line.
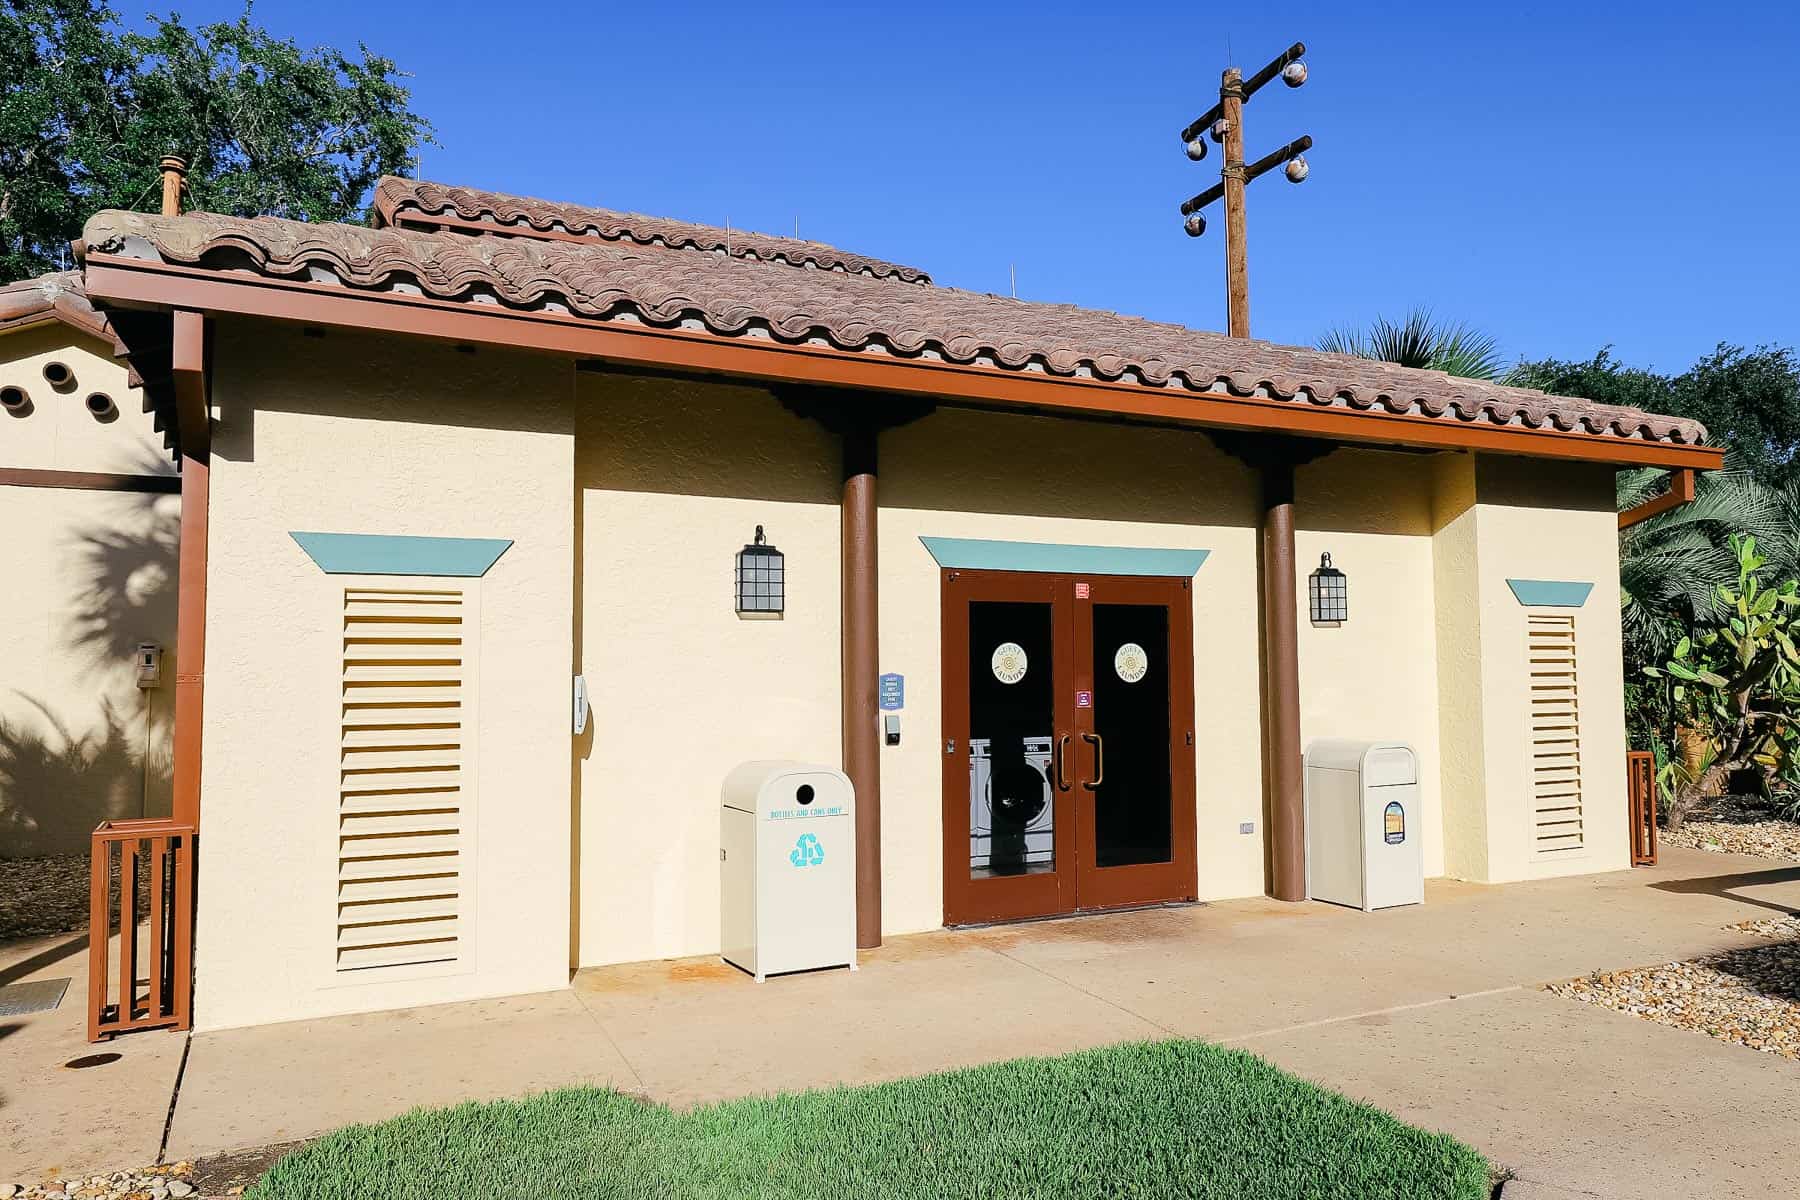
[(890, 723)]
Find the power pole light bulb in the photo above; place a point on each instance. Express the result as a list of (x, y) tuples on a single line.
[(1294, 74), (1297, 169), (1195, 225), (1196, 149)]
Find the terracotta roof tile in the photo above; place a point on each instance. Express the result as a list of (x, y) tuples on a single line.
[(408, 202), (734, 296), (54, 297)]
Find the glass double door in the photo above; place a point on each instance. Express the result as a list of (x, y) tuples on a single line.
[(1068, 744)]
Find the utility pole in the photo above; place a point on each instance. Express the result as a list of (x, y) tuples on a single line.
[(1273, 458), (1224, 122)]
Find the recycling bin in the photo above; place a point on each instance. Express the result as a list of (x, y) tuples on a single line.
[(787, 868), (1362, 824)]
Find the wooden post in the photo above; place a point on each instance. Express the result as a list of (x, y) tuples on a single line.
[(1237, 266), (188, 371), (861, 654), (174, 178), (1281, 671)]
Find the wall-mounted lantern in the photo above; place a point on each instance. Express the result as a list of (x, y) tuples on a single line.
[(1330, 598), (761, 578)]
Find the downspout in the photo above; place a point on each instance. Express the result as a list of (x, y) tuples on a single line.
[(860, 664)]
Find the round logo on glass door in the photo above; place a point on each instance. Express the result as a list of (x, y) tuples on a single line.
[(1131, 662), (1009, 662)]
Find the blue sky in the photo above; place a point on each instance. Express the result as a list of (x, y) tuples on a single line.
[(1563, 176)]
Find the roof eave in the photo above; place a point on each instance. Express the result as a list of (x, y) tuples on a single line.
[(135, 282)]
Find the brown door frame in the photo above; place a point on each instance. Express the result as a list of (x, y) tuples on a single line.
[(970, 901), (1100, 887), (1075, 885)]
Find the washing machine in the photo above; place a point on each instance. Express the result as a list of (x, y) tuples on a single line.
[(1040, 830)]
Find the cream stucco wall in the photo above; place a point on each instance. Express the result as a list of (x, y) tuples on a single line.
[(1498, 519), (359, 435), (1374, 677), (673, 479), (91, 574)]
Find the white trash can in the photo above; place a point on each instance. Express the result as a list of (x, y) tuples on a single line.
[(787, 868), (1362, 824)]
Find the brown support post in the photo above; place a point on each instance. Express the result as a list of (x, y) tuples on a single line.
[(861, 642), (1237, 266), (1281, 670), (188, 371)]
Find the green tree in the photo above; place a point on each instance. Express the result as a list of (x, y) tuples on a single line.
[(268, 127), (1420, 340), (1748, 399)]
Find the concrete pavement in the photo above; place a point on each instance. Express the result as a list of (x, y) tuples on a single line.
[(1430, 1012)]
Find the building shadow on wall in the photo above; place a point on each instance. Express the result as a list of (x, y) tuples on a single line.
[(64, 769), (57, 784)]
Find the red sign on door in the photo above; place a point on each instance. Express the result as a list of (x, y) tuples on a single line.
[(1081, 591)]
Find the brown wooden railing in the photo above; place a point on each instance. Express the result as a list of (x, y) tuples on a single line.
[(163, 897), (1640, 776)]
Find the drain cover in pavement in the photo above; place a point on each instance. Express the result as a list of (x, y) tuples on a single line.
[(37, 995)]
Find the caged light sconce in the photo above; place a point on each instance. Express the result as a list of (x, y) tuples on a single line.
[(761, 579), (1326, 588)]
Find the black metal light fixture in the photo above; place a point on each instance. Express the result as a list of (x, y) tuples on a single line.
[(761, 578), (1326, 587)]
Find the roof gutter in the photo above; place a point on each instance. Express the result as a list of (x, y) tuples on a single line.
[(143, 283)]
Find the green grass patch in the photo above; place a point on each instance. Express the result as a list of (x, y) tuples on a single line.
[(1149, 1119)]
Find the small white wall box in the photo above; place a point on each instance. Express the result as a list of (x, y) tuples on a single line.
[(787, 868), (149, 664), (1362, 824)]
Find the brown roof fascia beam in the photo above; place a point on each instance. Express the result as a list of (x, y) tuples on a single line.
[(1681, 491), (187, 377), (137, 282)]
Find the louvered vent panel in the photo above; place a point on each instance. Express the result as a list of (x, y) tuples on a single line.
[(401, 798), (1555, 735)]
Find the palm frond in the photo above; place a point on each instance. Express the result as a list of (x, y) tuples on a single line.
[(1420, 340)]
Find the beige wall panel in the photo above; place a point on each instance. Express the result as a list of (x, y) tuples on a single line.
[(92, 574), (1462, 774), (1556, 522), (1376, 675), (674, 478), (58, 433), (361, 435)]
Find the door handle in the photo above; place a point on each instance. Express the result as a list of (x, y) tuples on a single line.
[(1062, 763), (1099, 761)]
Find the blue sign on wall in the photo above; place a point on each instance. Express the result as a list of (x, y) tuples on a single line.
[(893, 691)]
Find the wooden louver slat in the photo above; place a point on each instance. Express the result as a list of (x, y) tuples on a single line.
[(1554, 760), (401, 802)]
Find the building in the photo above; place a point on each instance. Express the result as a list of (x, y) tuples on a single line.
[(435, 469), (88, 489)]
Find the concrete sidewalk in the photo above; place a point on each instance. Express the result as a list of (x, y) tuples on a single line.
[(1429, 1012)]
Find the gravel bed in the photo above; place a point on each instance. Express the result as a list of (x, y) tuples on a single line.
[(40, 896), (1737, 825), (1750, 996), (170, 1181)]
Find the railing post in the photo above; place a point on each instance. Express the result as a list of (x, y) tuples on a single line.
[(99, 919)]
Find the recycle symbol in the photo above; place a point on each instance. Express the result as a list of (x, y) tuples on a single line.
[(807, 852)]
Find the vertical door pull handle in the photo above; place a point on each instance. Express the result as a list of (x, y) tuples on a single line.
[(1062, 763), (1099, 761)]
